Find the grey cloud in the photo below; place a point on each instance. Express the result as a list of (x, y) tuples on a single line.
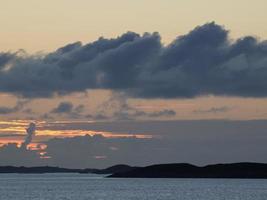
[(91, 148), (122, 110), (83, 151), (18, 107), (30, 134), (6, 58), (133, 113), (63, 107), (204, 61), (66, 108), (163, 113), (11, 154)]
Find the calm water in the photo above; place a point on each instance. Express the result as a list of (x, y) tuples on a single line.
[(83, 187)]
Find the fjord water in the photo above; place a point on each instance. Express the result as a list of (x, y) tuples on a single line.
[(87, 187)]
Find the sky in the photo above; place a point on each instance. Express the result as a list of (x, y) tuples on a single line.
[(122, 81), (45, 26)]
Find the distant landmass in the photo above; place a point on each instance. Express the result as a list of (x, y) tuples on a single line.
[(47, 169), (116, 169), (179, 170), (234, 170)]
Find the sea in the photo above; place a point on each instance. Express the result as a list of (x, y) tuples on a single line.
[(97, 187)]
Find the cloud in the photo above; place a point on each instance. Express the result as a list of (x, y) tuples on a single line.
[(84, 151), (131, 113), (63, 107), (6, 58), (203, 62), (87, 150), (182, 142), (66, 108), (122, 110), (30, 134), (213, 110), (162, 113), (18, 107), (11, 154)]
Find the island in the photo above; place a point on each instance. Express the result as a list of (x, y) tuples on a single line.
[(183, 170)]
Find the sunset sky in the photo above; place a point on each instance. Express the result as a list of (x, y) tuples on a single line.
[(125, 80)]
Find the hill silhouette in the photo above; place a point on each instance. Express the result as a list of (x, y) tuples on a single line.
[(183, 170), (176, 170)]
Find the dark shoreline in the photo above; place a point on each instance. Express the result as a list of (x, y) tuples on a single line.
[(49, 169), (176, 170), (184, 170)]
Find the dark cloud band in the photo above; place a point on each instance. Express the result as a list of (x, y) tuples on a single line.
[(204, 61)]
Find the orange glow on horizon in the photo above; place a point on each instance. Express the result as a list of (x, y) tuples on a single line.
[(14, 131), (73, 133)]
